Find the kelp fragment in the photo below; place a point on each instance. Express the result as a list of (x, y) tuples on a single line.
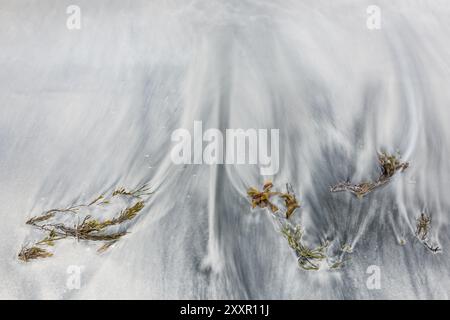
[(90, 228), (389, 165)]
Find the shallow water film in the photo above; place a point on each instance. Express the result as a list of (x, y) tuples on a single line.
[(209, 149)]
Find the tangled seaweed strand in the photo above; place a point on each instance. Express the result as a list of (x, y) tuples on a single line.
[(89, 229), (308, 259), (423, 225), (389, 166)]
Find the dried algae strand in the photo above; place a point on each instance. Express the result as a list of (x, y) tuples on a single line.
[(106, 246), (389, 165), (308, 258), (142, 191), (90, 228)]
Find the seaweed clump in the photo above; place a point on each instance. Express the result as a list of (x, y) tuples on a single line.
[(53, 223), (33, 252), (262, 198), (389, 165), (308, 258)]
